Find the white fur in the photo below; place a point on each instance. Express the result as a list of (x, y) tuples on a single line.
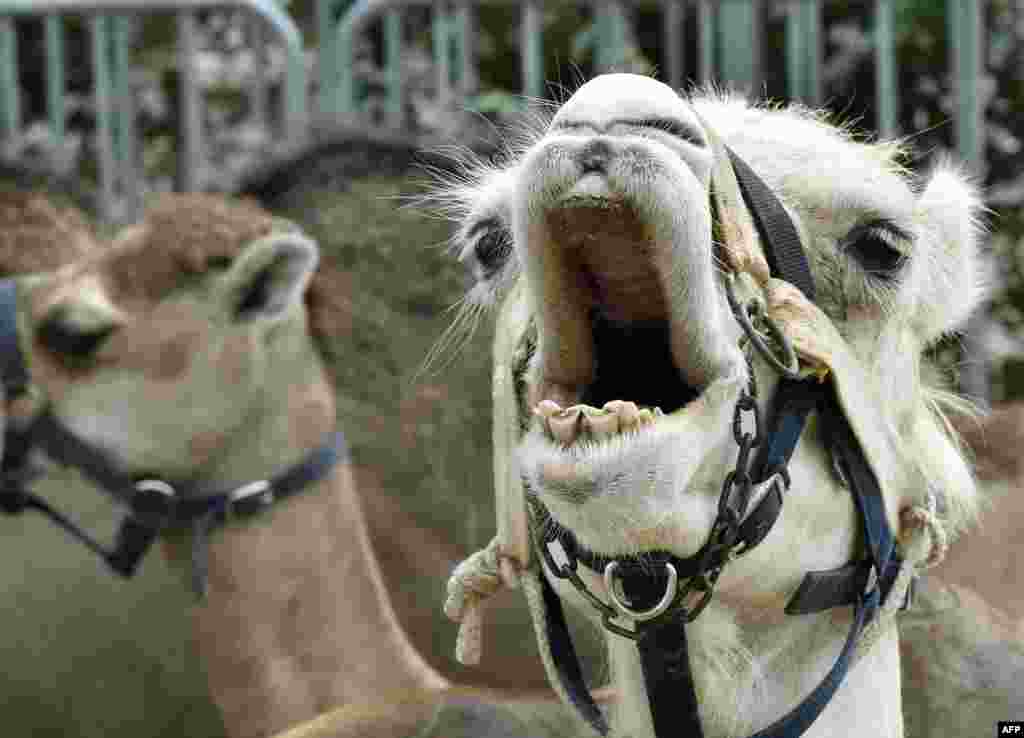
[(659, 488)]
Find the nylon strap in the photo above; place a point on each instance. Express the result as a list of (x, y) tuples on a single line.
[(781, 242), (149, 511)]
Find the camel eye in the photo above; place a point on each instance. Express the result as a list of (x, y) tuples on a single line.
[(877, 248), (492, 250), (70, 341), (492, 245)]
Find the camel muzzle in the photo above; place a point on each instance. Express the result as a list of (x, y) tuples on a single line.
[(153, 504), (659, 592)]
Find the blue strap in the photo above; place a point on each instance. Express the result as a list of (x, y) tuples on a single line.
[(796, 722), (13, 371)]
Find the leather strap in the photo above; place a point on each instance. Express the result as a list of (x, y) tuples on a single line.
[(665, 661), (155, 506), (567, 663)]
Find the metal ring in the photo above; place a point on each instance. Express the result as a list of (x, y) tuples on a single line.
[(641, 615), (155, 485), (791, 367)]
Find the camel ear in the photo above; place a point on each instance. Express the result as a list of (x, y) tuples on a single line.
[(952, 275), (270, 276)]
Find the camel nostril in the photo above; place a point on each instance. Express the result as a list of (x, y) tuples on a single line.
[(594, 156)]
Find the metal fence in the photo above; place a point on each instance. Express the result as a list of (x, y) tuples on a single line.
[(321, 87)]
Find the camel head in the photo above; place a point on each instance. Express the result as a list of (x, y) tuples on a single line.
[(187, 334), (619, 363)]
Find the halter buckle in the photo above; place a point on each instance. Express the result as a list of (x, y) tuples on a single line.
[(249, 499)]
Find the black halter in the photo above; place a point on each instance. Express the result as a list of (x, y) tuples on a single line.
[(153, 505), (661, 641)]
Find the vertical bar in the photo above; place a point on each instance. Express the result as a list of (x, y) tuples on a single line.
[(674, 40), (124, 111), (618, 35), (966, 47), (738, 33), (103, 92), (393, 66), (533, 59), (885, 69), (327, 58), (440, 28), (465, 26), (10, 93), (256, 88), (55, 76), (345, 98), (190, 149), (812, 27), (707, 18), (796, 51)]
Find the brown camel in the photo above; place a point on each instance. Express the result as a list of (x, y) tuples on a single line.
[(188, 351)]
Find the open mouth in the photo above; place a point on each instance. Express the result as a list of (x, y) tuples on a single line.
[(637, 367), (636, 382)]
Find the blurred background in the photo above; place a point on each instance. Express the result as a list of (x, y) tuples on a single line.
[(327, 111)]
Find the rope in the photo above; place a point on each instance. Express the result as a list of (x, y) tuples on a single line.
[(924, 541), (473, 582)]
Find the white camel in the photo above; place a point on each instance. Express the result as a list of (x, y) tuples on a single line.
[(618, 365)]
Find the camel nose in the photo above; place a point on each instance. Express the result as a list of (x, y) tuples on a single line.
[(595, 155)]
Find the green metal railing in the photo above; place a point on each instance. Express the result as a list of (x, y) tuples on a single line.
[(729, 37), (728, 34), (116, 144)]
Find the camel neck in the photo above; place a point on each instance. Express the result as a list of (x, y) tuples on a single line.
[(747, 679), (297, 620)]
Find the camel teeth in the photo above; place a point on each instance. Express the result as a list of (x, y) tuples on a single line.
[(627, 413), (565, 425), (547, 408), (603, 425)]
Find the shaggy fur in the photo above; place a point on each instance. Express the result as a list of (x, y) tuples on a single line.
[(896, 264)]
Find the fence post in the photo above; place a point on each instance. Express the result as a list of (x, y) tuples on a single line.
[(395, 105), (55, 76), (190, 141), (465, 26), (739, 42), (674, 39), (610, 35), (532, 49), (965, 47), (124, 115), (803, 50), (10, 92), (103, 99), (440, 32), (707, 18), (885, 69)]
